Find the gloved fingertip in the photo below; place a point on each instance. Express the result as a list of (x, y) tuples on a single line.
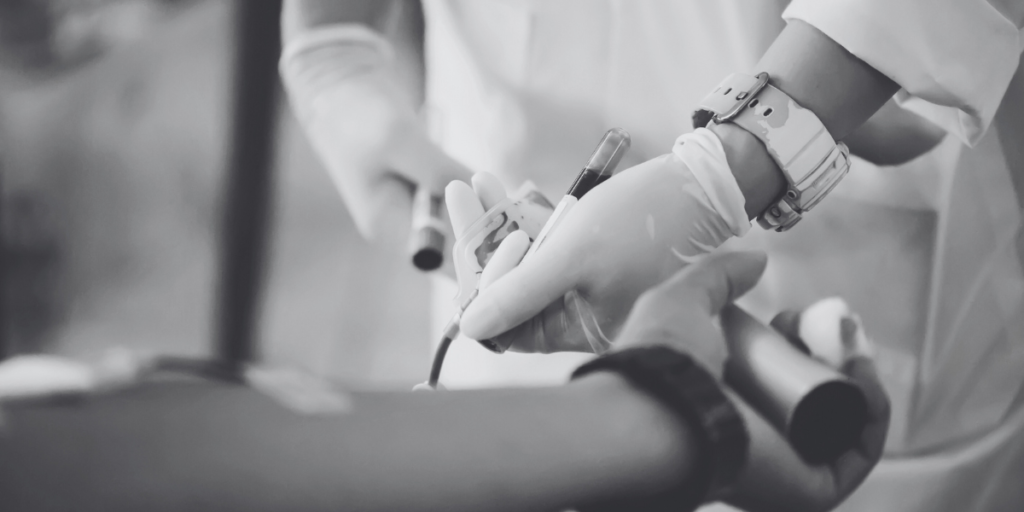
[(456, 188), (483, 319), (855, 339), (365, 229), (508, 254), (489, 188), (787, 323), (464, 207)]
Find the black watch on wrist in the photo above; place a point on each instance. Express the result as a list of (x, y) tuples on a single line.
[(694, 395)]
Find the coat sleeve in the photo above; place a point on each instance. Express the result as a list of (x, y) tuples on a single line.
[(953, 59)]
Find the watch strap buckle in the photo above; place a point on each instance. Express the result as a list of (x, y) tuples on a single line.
[(729, 99), (800, 198)]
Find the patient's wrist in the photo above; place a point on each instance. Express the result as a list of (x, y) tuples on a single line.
[(649, 449), (757, 175)]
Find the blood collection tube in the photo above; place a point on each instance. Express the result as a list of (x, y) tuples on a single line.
[(602, 163), (599, 168)]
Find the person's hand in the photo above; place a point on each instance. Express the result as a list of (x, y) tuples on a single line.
[(626, 235), (341, 83), (775, 477), (679, 313)]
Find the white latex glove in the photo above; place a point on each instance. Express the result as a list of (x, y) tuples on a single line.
[(679, 313), (342, 86), (626, 235)]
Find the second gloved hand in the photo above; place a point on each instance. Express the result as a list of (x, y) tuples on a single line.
[(341, 83), (626, 235)]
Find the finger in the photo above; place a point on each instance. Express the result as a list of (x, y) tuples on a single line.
[(489, 189), (463, 206), (832, 332), (715, 280), (654, 320), (787, 323), (505, 257), (524, 291)]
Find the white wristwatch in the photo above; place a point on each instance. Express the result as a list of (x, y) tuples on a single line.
[(811, 160)]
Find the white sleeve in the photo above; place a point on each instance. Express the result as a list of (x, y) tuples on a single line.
[(952, 58)]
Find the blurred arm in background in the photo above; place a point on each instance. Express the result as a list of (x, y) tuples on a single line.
[(353, 72)]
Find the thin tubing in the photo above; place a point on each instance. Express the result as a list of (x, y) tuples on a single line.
[(435, 368)]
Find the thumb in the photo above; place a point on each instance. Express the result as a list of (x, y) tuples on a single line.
[(715, 280), (521, 293)]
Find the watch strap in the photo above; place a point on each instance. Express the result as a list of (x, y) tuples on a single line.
[(793, 135), (695, 397), (812, 162)]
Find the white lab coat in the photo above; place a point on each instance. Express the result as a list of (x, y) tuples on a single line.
[(927, 253)]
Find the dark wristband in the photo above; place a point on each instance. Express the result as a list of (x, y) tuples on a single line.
[(694, 396)]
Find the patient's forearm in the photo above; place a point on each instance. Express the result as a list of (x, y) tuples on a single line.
[(203, 446), (820, 75), (539, 449)]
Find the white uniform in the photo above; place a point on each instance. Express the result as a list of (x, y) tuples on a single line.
[(930, 254)]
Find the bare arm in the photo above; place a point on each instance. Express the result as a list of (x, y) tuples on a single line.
[(894, 136), (820, 75), (196, 446)]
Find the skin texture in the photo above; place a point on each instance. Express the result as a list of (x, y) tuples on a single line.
[(821, 76), (894, 136)]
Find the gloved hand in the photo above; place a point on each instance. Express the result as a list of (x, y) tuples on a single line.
[(624, 236), (679, 313), (342, 86)]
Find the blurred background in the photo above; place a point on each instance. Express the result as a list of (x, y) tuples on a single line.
[(115, 117)]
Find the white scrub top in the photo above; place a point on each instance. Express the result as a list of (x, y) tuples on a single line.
[(929, 253), (953, 58)]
